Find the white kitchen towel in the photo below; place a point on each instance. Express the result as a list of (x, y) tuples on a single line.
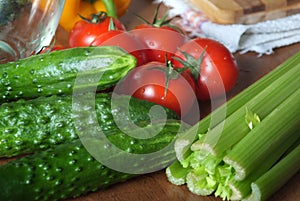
[(262, 37)]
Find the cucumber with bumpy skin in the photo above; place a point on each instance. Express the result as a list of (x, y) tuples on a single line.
[(30, 125), (55, 73), (69, 170)]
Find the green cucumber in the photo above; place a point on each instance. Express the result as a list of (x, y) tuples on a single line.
[(55, 73), (30, 125), (68, 170)]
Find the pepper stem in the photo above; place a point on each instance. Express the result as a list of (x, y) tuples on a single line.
[(110, 8)]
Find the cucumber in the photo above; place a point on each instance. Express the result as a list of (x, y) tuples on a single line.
[(68, 170), (30, 125), (55, 73)]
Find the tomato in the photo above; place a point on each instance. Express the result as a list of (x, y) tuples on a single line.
[(149, 82), (161, 43), (167, 27), (218, 68), (160, 36), (85, 31), (162, 23), (143, 26), (124, 40)]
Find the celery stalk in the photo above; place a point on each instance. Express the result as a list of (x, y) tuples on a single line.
[(241, 189), (264, 139), (176, 174), (247, 94), (239, 101), (200, 183), (224, 136), (204, 172), (276, 177), (202, 176), (236, 129)]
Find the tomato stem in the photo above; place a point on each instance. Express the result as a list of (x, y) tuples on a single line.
[(159, 22), (170, 73), (191, 63), (95, 18)]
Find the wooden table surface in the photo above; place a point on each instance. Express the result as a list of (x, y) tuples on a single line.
[(154, 186)]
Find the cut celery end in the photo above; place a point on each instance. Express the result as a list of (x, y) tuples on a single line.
[(196, 181), (206, 174), (276, 177), (264, 139), (184, 142), (223, 192), (200, 183), (176, 174), (241, 189), (239, 101)]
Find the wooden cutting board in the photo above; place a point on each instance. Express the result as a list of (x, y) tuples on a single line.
[(246, 11)]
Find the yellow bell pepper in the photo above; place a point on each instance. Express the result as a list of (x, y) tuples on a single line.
[(74, 8)]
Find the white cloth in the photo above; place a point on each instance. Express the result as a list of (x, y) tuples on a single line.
[(262, 37)]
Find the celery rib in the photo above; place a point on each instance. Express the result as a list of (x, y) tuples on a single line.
[(247, 94), (264, 139), (273, 84), (241, 189), (224, 136), (176, 174), (276, 177), (225, 168)]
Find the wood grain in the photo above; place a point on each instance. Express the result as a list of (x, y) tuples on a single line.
[(272, 5), (251, 6), (246, 11)]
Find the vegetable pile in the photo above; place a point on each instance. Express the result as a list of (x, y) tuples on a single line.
[(245, 149), (53, 115), (166, 58), (73, 9), (254, 150)]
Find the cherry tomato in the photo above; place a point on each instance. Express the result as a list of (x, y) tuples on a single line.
[(143, 26), (218, 69), (167, 27), (85, 31), (124, 40), (149, 82), (161, 43)]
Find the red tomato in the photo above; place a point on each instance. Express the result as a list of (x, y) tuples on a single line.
[(148, 82), (162, 43), (124, 40), (143, 26), (84, 31), (218, 69), (167, 27)]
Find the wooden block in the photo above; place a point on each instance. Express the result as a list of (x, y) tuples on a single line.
[(246, 11)]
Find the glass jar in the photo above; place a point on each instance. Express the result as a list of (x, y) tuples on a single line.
[(27, 26)]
